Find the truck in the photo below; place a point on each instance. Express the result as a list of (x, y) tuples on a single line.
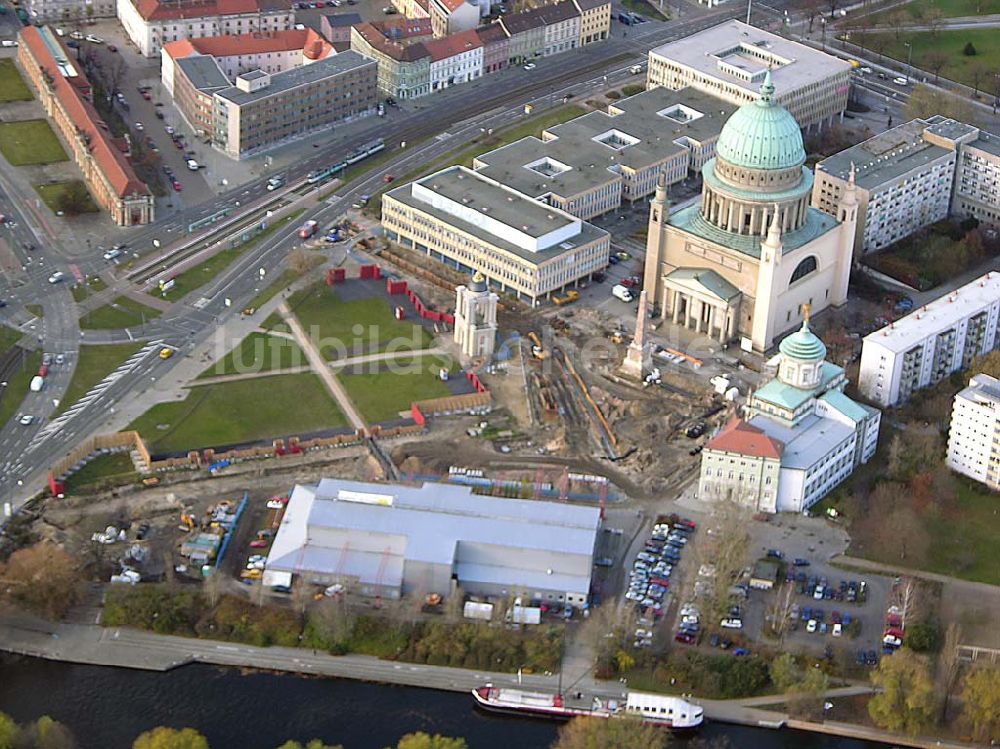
[(621, 292), (37, 383), (308, 229), (571, 296)]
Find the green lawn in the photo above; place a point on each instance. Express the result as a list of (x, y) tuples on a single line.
[(25, 142), (968, 549), (12, 85), (113, 469), (917, 9), (959, 66), (332, 324), (35, 309), (8, 337), (236, 412), (381, 395), (282, 282), (201, 274), (17, 386), (258, 352), (82, 291), (93, 364), (52, 192), (123, 312)]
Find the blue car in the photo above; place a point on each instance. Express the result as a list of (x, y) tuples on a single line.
[(741, 651)]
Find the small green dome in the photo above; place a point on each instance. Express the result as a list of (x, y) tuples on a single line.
[(803, 345), (762, 135)]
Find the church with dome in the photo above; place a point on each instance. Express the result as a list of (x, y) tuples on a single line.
[(799, 436), (745, 261)]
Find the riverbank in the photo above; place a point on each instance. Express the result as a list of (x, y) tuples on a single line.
[(92, 644)]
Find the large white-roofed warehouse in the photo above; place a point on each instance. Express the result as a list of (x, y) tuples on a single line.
[(391, 540)]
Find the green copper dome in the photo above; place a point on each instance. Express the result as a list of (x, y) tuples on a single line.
[(803, 344), (762, 135)]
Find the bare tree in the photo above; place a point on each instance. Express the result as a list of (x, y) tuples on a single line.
[(727, 551), (978, 73), (907, 597), (454, 605), (213, 587), (812, 8), (257, 592), (935, 60), (301, 596), (934, 20), (114, 73), (780, 610)]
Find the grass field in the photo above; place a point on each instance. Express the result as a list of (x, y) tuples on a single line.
[(236, 412), (93, 364), (17, 386), (969, 549), (82, 291), (111, 469), (26, 142), (332, 323), (380, 396), (8, 337), (201, 274), (918, 9), (123, 312), (282, 282), (959, 66), (35, 309), (52, 192), (12, 85), (258, 352)]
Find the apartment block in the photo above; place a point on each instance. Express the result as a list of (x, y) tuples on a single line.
[(404, 66), (591, 164), (903, 180), (64, 92), (931, 343), (730, 61), (152, 23), (455, 59), (472, 223), (262, 111), (452, 16), (976, 191), (66, 11), (974, 435), (595, 20), (336, 27)]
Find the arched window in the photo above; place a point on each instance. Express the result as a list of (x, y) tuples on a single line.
[(804, 268)]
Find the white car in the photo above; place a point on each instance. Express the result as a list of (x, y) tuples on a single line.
[(26, 420), (811, 626), (57, 277), (731, 624), (170, 130), (865, 69), (900, 80), (76, 35), (139, 127), (94, 39), (892, 641), (818, 593), (60, 358), (8, 43), (530, 66), (838, 629), (111, 254)]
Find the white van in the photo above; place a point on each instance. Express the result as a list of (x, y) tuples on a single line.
[(193, 165), (621, 292), (275, 182), (37, 382)]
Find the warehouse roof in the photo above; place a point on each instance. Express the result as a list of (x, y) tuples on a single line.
[(427, 521)]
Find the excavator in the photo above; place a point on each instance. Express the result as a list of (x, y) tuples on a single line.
[(187, 521), (536, 346)]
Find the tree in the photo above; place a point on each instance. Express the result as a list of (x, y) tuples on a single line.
[(805, 699), (949, 664), (935, 60), (922, 637), (314, 744), (163, 737), (213, 587), (74, 199), (49, 734), (907, 700), (969, 50), (301, 596), (43, 578), (926, 102), (421, 740), (302, 261), (934, 20), (785, 672), (598, 733), (8, 731), (981, 703)]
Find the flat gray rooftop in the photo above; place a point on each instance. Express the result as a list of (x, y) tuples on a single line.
[(886, 156), (752, 50), (300, 76), (657, 120), (502, 204), (203, 72)]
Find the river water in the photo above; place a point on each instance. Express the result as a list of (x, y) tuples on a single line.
[(106, 708)]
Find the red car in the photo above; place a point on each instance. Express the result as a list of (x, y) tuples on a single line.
[(685, 638), (258, 544), (177, 186), (893, 620), (43, 370), (388, 178), (146, 96)]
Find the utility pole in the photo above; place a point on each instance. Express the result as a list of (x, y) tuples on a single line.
[(749, 8)]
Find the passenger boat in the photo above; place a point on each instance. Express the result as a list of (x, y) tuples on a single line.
[(657, 709)]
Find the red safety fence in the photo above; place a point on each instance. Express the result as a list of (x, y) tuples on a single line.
[(395, 287), (418, 418), (57, 488), (370, 273), (335, 275)]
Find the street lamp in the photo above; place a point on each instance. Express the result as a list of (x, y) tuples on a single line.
[(909, 61), (822, 22)]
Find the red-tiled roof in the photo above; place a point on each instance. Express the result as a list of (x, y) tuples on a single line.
[(740, 437), (165, 10), (491, 34), (258, 42), (453, 44), (402, 28), (109, 159), (451, 5)]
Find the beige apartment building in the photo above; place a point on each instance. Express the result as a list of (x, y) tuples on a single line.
[(730, 60), (262, 111), (472, 223), (595, 20), (403, 68), (591, 164)]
